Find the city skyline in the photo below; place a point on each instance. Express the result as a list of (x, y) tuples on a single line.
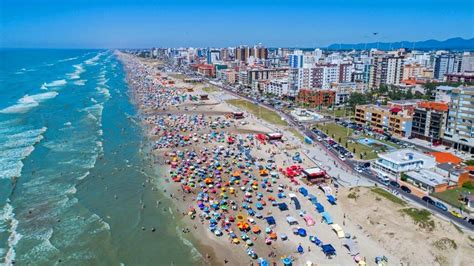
[(139, 24)]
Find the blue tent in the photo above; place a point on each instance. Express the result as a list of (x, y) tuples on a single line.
[(286, 261), (302, 232), (303, 191), (313, 199), (297, 203), (319, 207), (326, 217), (262, 262), (328, 250), (270, 220), (331, 199), (282, 206)]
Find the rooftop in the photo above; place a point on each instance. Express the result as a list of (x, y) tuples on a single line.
[(446, 157), (405, 155), (427, 177)]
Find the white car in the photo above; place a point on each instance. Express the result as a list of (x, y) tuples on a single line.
[(342, 157)]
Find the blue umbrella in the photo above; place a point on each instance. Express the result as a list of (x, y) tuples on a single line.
[(300, 249)]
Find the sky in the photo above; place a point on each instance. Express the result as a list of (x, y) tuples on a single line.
[(211, 23)]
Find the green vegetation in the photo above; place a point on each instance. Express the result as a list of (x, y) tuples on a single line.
[(421, 217), (338, 111), (389, 196), (445, 243), (261, 112), (469, 162), (210, 89), (338, 132), (452, 196), (468, 185), (296, 133)]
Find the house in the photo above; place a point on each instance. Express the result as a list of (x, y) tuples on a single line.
[(393, 164)]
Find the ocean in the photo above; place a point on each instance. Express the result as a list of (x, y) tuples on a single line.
[(75, 178)]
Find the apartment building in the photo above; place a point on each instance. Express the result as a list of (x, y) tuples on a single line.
[(429, 121), (277, 87), (391, 119), (316, 98), (460, 129)]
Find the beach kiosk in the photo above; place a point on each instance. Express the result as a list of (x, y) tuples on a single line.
[(204, 97), (238, 115), (315, 175), (274, 136), (336, 228)]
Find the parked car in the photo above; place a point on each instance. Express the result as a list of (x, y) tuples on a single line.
[(394, 184), (471, 221), (441, 206), (455, 214), (405, 189), (428, 200)]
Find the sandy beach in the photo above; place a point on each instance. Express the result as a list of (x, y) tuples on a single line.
[(225, 182)]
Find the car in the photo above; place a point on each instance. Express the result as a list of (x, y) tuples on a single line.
[(441, 206), (342, 157), (405, 189), (394, 184), (428, 200), (455, 214), (471, 221), (358, 170)]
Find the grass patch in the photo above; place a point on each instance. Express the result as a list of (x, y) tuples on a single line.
[(445, 243), (210, 89), (421, 217), (260, 112), (339, 112), (343, 134), (451, 196), (297, 134), (389, 196)]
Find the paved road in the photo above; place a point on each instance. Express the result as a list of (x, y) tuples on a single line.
[(350, 164)]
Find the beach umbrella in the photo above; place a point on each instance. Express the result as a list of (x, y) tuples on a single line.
[(300, 249), (287, 261)]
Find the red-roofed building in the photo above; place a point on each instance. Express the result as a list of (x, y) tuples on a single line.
[(446, 157), (206, 70)]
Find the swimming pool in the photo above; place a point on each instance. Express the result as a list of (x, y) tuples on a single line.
[(375, 144)]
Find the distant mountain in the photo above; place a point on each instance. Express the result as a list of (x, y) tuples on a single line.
[(450, 44)]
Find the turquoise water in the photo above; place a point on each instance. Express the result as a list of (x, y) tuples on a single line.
[(75, 182)]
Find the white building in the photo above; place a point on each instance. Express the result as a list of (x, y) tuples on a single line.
[(278, 87), (392, 164)]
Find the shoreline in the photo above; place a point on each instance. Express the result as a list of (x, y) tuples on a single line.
[(181, 129)]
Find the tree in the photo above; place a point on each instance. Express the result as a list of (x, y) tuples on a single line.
[(356, 99)]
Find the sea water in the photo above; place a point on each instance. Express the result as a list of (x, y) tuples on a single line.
[(75, 180)]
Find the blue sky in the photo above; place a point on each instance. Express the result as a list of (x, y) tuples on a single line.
[(202, 23)]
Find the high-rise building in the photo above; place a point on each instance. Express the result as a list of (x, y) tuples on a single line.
[(467, 64), (460, 129), (444, 64), (213, 56), (429, 120), (242, 53), (295, 60), (259, 52)]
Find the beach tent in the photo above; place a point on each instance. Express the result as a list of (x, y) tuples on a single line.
[(301, 232), (262, 262), (303, 191), (297, 203), (319, 207), (351, 246), (328, 250), (309, 220), (282, 206), (332, 199), (287, 261), (291, 220), (300, 249), (338, 230), (270, 220), (327, 218), (313, 199)]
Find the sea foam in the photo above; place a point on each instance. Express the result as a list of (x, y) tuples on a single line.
[(28, 102)]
